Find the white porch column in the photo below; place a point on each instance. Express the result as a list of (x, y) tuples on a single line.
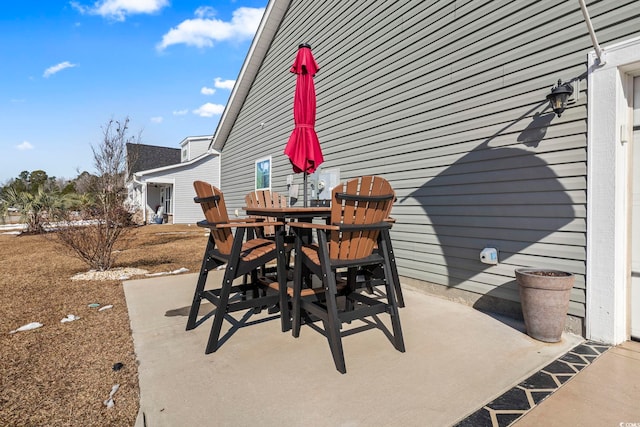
[(607, 191)]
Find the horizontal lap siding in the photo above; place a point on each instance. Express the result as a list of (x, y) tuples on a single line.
[(207, 169), (446, 99), (185, 211), (266, 120), (198, 147)]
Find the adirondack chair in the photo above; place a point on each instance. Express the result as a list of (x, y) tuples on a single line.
[(374, 274), (357, 236), (227, 245), (266, 198)]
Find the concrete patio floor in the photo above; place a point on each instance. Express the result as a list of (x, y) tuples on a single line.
[(457, 360)]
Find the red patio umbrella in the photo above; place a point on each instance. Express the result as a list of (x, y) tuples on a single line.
[(303, 147)]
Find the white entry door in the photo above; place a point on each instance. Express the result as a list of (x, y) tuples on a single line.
[(635, 237)]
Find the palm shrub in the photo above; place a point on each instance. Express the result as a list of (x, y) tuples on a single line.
[(35, 209)]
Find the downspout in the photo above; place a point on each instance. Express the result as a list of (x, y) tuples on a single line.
[(599, 52)]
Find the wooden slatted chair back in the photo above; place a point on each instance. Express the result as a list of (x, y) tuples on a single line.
[(212, 203), (360, 201), (266, 199)]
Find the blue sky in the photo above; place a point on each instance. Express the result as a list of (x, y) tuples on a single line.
[(67, 67)]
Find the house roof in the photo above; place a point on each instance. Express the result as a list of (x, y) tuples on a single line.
[(141, 157), (209, 153), (267, 29)]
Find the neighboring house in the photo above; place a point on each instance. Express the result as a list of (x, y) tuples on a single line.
[(446, 99), (167, 189)]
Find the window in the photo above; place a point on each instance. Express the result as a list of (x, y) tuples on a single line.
[(263, 173), (185, 152)]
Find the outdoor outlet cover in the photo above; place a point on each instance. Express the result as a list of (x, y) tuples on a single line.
[(489, 256)]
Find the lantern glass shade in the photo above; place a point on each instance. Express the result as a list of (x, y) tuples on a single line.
[(559, 96)]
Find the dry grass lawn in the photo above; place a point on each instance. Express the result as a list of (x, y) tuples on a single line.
[(61, 373)]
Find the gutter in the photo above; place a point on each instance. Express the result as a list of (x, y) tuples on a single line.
[(599, 52)]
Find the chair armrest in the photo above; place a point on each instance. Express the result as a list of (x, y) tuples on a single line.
[(390, 220), (364, 227), (248, 224), (243, 220), (311, 226), (212, 225)]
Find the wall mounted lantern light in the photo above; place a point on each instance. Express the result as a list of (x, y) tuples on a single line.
[(559, 96)]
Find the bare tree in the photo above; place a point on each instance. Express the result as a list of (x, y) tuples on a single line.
[(93, 232)]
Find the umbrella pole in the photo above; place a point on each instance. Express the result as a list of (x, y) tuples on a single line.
[(305, 189)]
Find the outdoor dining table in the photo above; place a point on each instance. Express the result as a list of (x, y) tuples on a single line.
[(291, 212), (286, 214)]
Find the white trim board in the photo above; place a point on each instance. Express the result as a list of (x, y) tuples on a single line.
[(608, 157)]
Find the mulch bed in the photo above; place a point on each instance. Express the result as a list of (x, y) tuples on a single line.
[(61, 374)]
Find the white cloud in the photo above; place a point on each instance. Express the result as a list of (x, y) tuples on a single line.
[(119, 9), (180, 112), (207, 90), (209, 110), (56, 68), (205, 12), (25, 145), (157, 119), (224, 84), (204, 30)]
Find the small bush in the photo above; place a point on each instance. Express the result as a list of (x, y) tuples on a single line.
[(92, 235)]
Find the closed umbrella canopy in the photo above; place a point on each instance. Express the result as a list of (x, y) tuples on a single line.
[(303, 147)]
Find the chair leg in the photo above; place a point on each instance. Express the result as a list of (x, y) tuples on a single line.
[(297, 289), (221, 311), (391, 285), (202, 280), (394, 274), (255, 292), (332, 326), (368, 276), (333, 323), (351, 285), (281, 275), (398, 340)]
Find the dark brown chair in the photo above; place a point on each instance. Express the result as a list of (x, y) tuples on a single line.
[(241, 258), (357, 236)]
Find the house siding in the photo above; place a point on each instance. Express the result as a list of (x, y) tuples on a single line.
[(185, 211), (445, 99), (196, 146)]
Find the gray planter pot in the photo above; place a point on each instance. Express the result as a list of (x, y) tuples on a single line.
[(544, 295)]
